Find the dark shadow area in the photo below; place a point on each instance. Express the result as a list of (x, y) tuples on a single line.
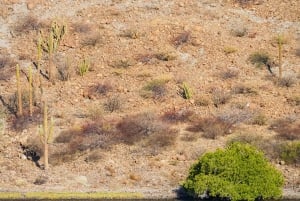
[(32, 153)]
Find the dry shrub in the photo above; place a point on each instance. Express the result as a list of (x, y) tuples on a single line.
[(27, 24), (243, 89), (239, 31), (145, 58), (129, 33), (294, 100), (287, 129), (202, 101), (155, 89), (64, 69), (220, 97), (101, 89), (178, 115), (182, 38), (91, 40), (259, 119), (229, 74), (146, 126), (212, 127), (95, 156), (287, 81), (81, 27), (19, 123), (6, 64), (113, 104), (290, 152)]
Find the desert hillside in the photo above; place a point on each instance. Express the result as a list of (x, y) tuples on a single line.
[(137, 90)]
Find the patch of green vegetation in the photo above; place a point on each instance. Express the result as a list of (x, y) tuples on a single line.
[(240, 172)]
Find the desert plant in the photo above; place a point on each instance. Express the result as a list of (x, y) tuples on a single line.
[(2, 121), (202, 101), (243, 89), (83, 67), (290, 152), (259, 119), (294, 100), (123, 63), (46, 133), (212, 127), (155, 89), (81, 27), (280, 40), (165, 56), (229, 50), (30, 91), (129, 33), (101, 89), (186, 91), (177, 115), (229, 73), (240, 172), (287, 81), (182, 38), (64, 70), (220, 97), (259, 59), (91, 40), (239, 31), (113, 104), (287, 129), (19, 92), (27, 24)]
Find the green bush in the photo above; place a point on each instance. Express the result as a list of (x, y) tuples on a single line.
[(240, 172)]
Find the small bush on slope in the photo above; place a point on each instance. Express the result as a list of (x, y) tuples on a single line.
[(240, 172)]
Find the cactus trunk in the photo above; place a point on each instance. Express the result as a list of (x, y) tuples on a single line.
[(19, 92)]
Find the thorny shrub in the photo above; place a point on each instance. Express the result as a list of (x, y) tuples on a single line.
[(178, 115), (287, 128)]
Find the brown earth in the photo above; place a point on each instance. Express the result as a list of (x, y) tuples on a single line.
[(129, 43)]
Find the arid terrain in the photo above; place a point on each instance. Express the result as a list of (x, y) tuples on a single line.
[(138, 90)]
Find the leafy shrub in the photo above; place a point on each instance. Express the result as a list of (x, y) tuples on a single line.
[(290, 152), (240, 172), (259, 59)]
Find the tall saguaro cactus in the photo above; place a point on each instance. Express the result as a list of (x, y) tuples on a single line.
[(19, 91), (46, 135), (30, 92)]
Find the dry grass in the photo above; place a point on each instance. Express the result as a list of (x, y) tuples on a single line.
[(229, 74), (101, 89), (91, 40), (287, 81), (155, 89), (113, 104)]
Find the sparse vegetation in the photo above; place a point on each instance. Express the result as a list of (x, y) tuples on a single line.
[(287, 81), (185, 91), (239, 31), (215, 175), (155, 89), (229, 74), (259, 119), (176, 116), (229, 50), (259, 59), (91, 40), (113, 104), (27, 24), (290, 152), (220, 97), (84, 67), (287, 129), (182, 38)]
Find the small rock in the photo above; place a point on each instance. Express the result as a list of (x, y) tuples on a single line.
[(281, 162)]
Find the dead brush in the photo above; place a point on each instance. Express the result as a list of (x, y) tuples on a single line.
[(81, 27), (181, 39), (101, 89), (27, 24), (91, 40), (136, 127), (287, 129), (177, 115), (229, 74), (220, 97), (212, 127)]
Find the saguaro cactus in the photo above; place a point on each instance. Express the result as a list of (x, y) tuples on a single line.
[(30, 92), (19, 92), (46, 135), (280, 40)]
